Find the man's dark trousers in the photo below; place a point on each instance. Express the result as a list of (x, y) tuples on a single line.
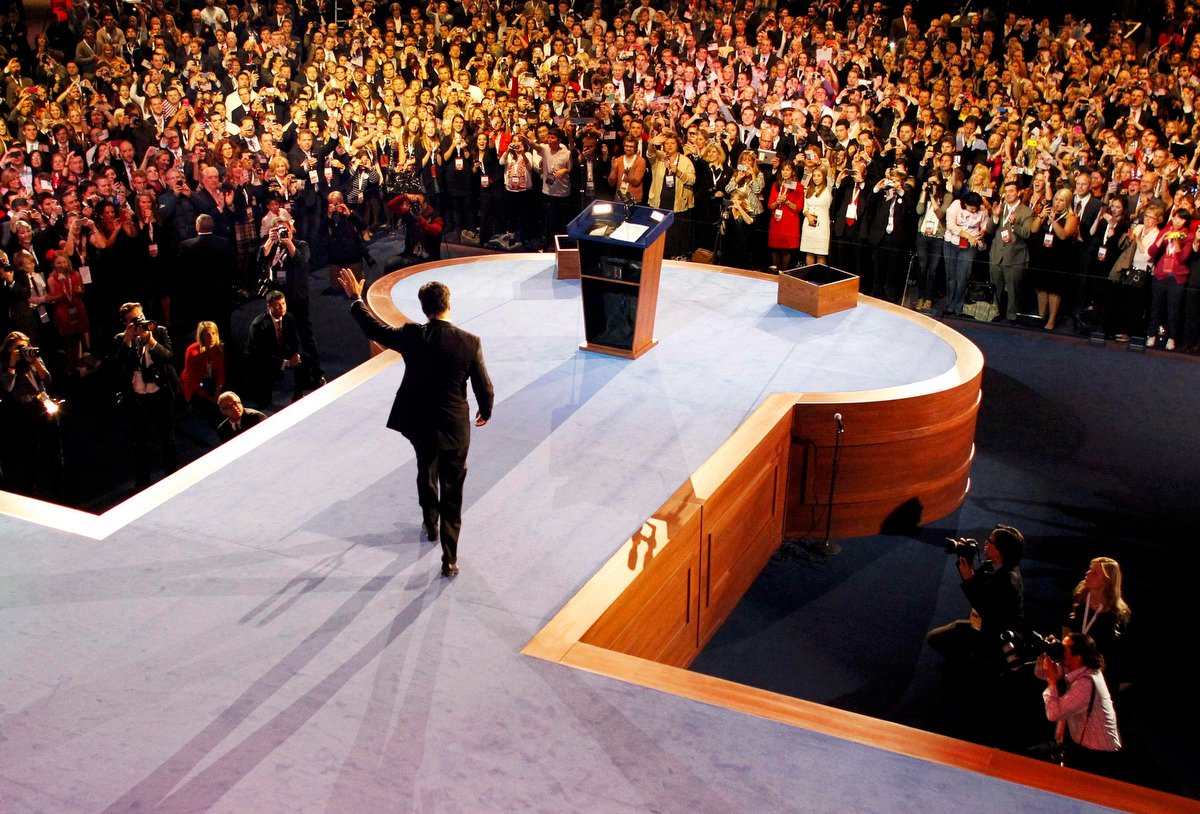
[(440, 477)]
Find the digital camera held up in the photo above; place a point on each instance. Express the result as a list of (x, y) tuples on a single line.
[(965, 547)]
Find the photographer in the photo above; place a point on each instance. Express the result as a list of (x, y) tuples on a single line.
[(283, 266), (30, 443), (995, 593), (148, 385), (1077, 700), (343, 235)]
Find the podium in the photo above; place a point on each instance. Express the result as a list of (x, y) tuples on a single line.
[(620, 258), (818, 289)]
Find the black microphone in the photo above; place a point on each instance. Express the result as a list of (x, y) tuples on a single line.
[(838, 418)]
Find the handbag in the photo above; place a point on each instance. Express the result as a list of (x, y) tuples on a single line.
[(1135, 278), (1124, 261)]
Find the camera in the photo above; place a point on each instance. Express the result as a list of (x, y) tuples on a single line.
[(1039, 644), (144, 324), (964, 547), (30, 353)]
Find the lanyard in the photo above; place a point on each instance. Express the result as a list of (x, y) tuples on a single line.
[(1089, 618)]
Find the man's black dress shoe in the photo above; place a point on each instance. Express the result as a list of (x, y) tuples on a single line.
[(449, 569), (431, 531)]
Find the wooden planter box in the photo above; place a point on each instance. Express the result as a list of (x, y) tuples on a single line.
[(566, 253), (818, 290)]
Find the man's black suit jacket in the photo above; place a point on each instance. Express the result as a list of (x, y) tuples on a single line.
[(250, 418), (439, 358), (266, 353), (204, 282)]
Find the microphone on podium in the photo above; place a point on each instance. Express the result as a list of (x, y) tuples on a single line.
[(838, 418)]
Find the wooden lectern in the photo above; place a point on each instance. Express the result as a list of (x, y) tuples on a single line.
[(818, 289), (620, 258)]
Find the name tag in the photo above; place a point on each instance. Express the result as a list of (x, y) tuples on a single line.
[(778, 214), (852, 211), (1048, 240), (458, 164), (1006, 235), (85, 274), (669, 181), (484, 181), (1102, 253)]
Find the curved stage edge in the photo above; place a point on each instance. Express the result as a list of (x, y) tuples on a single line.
[(650, 609)]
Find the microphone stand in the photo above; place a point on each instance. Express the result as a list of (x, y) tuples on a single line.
[(791, 549), (828, 547)]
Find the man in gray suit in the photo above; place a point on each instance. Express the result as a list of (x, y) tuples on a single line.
[(1009, 256)]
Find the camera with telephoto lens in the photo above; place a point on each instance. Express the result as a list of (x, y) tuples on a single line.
[(144, 324), (1037, 645), (965, 547), (30, 353)]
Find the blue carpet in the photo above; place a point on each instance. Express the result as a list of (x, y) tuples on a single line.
[(276, 637)]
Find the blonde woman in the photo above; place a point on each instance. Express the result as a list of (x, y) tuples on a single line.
[(203, 376), (1053, 255), (744, 190), (1099, 610)]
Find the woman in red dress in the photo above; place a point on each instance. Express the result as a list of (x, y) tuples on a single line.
[(784, 206), (70, 316)]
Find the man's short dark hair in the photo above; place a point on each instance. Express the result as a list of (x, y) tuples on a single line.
[(1010, 543), (274, 296), (435, 298)]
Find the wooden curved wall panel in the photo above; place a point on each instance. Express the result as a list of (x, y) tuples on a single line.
[(902, 462)]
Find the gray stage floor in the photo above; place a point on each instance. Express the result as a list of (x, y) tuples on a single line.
[(276, 637)]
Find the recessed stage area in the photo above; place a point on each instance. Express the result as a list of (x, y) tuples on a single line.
[(274, 635)]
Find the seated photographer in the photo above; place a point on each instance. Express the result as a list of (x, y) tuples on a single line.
[(31, 443), (1099, 611), (1077, 699), (148, 386), (995, 593)]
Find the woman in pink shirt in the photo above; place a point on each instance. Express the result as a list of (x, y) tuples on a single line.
[(1169, 266)]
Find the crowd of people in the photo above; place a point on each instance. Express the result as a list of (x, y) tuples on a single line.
[(176, 156)]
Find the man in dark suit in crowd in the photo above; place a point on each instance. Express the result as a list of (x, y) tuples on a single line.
[(891, 232), (849, 218), (275, 348), (204, 281), (431, 408), (148, 387), (238, 418)]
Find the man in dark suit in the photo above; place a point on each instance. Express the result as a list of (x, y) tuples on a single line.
[(891, 231), (238, 419), (148, 387), (850, 214), (204, 281), (431, 408), (275, 348)]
